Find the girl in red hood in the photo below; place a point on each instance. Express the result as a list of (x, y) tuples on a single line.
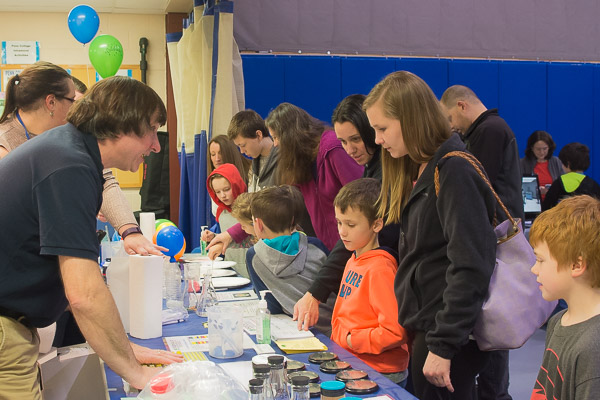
[(224, 185)]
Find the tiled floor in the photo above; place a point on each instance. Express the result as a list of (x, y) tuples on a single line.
[(525, 364)]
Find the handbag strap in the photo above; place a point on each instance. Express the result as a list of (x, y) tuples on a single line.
[(479, 169)]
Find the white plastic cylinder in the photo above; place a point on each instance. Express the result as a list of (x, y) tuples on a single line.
[(117, 279), (145, 300), (147, 224)]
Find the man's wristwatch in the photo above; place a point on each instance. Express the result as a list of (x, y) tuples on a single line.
[(129, 231)]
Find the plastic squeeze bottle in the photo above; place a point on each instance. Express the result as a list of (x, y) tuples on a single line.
[(263, 320)]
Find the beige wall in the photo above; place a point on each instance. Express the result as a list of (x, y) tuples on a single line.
[(58, 46)]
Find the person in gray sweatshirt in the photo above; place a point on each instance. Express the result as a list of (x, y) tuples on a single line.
[(285, 261)]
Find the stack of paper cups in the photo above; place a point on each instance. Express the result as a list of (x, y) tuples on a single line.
[(145, 296), (147, 224)]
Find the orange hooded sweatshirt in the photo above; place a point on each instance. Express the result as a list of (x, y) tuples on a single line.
[(366, 308), (231, 173)]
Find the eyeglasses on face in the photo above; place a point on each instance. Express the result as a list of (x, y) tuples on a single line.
[(58, 96)]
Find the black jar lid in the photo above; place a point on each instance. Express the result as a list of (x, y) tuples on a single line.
[(335, 366), (275, 360), (293, 366), (300, 380), (255, 386), (312, 376), (361, 386), (261, 368), (314, 389), (351, 375), (322, 356)]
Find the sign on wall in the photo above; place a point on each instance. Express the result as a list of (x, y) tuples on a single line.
[(20, 52)]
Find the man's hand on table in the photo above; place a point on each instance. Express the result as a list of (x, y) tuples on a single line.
[(306, 311), (138, 244), (144, 355)]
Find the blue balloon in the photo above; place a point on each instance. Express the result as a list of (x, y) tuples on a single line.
[(171, 238), (83, 23)]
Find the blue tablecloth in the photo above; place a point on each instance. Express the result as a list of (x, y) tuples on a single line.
[(194, 326)]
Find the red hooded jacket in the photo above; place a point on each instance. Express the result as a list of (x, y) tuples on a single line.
[(231, 173)]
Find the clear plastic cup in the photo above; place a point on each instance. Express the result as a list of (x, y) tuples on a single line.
[(225, 331)]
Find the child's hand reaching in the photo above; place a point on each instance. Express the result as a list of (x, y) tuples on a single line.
[(215, 251), (207, 235)]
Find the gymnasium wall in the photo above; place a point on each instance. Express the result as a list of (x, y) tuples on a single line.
[(560, 98)]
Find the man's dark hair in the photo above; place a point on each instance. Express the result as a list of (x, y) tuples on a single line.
[(115, 106)]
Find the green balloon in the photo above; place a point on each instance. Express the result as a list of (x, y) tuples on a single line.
[(106, 55)]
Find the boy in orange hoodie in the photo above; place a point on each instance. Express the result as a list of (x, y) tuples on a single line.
[(365, 317), (224, 185)]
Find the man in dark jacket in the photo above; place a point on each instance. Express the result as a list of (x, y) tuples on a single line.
[(492, 141)]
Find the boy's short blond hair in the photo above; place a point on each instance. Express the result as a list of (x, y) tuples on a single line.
[(571, 230), (240, 209)]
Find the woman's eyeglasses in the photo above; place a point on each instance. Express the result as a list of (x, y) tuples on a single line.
[(58, 96)]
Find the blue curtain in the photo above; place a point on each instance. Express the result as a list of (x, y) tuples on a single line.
[(194, 201)]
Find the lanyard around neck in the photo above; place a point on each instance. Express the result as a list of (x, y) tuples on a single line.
[(21, 122)]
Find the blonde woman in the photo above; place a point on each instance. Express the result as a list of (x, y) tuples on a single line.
[(447, 243)]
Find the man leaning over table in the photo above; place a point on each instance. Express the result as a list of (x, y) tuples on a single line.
[(51, 194)]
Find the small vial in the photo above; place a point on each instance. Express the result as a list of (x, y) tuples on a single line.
[(263, 372), (300, 388), (278, 379), (332, 390), (256, 388)]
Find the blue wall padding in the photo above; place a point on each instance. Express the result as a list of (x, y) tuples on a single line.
[(561, 98), (595, 168), (481, 76), (522, 94), (571, 104), (264, 82), (432, 71), (314, 83), (359, 75)]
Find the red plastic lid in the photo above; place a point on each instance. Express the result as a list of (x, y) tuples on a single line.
[(161, 384)]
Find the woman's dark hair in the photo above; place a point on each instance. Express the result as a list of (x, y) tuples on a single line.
[(115, 106), (299, 136), (230, 155), (350, 110), (575, 156), (28, 88), (536, 137)]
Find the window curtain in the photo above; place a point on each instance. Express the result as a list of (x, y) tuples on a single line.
[(206, 71)]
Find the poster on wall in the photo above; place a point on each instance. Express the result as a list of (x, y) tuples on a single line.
[(121, 72), (7, 74), (20, 52)]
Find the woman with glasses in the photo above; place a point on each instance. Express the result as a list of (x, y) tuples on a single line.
[(539, 160), (37, 99)]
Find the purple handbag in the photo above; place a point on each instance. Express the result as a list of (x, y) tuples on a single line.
[(514, 307)]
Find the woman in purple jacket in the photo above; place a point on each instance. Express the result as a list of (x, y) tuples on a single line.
[(313, 159)]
